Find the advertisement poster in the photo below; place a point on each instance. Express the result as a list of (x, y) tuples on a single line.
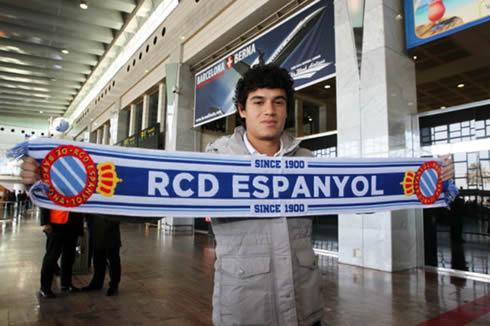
[(427, 20), (303, 44)]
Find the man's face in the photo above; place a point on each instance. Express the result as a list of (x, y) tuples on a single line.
[(265, 113)]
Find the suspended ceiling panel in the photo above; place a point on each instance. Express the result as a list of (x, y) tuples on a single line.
[(48, 49)]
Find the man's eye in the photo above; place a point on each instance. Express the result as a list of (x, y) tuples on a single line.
[(258, 102)]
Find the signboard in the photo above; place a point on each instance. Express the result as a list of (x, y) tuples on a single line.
[(131, 141), (303, 44), (149, 137), (428, 20)]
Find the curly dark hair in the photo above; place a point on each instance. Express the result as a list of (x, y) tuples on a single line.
[(263, 76)]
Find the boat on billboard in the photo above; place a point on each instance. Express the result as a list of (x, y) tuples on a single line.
[(303, 44), (428, 20)]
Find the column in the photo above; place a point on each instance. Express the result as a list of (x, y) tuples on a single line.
[(86, 136), (116, 131), (379, 94), (132, 120), (162, 104), (179, 133), (146, 112), (298, 113), (105, 134), (92, 134), (99, 136)]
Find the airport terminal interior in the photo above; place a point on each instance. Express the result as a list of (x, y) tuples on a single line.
[(168, 280), (373, 79)]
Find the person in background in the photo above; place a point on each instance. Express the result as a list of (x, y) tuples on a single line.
[(18, 200), (9, 202), (62, 230), (105, 242)]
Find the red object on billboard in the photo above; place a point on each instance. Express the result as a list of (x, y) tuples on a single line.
[(436, 10)]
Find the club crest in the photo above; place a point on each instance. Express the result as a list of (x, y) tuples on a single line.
[(73, 176), (426, 183)]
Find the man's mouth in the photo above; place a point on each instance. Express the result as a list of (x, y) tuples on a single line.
[(269, 122)]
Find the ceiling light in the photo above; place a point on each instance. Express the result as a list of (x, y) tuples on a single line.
[(83, 5), (65, 51), (182, 37), (460, 85), (443, 107), (414, 57), (399, 17), (41, 112), (327, 86)]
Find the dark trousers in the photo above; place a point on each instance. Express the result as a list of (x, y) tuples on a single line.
[(57, 244), (103, 257)]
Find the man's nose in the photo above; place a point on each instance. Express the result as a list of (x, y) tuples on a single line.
[(270, 108)]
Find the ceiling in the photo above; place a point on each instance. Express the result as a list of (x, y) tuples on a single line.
[(48, 49), (462, 58)]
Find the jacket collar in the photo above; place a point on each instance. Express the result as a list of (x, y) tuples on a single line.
[(289, 143)]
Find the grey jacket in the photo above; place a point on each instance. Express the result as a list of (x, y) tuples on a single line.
[(266, 272)]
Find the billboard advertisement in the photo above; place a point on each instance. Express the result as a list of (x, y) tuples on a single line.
[(427, 20), (303, 44)]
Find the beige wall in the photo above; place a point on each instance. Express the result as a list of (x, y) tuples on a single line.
[(193, 32)]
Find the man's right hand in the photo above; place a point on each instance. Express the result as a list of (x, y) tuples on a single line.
[(31, 172), (47, 228)]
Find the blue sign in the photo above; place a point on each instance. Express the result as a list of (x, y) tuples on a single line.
[(428, 20), (303, 44)]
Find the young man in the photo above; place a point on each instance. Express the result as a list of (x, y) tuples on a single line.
[(266, 272)]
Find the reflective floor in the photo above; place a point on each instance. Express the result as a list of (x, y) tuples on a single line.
[(460, 242), (167, 280)]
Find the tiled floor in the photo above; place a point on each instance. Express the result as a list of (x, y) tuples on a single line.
[(167, 280)]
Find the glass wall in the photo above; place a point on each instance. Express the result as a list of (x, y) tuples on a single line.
[(459, 238)]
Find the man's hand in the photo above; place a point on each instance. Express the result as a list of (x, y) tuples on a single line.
[(47, 228), (447, 167), (31, 172)]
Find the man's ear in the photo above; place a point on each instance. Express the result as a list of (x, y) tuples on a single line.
[(241, 110)]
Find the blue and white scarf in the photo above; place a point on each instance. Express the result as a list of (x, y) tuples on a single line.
[(84, 177)]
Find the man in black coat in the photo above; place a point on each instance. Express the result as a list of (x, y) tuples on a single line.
[(105, 241), (62, 230)]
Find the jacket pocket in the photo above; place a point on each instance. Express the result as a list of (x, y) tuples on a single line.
[(308, 286), (245, 288)]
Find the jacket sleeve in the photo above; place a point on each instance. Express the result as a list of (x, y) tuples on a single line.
[(303, 152), (45, 216)]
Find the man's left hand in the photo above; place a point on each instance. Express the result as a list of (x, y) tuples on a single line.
[(447, 167)]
